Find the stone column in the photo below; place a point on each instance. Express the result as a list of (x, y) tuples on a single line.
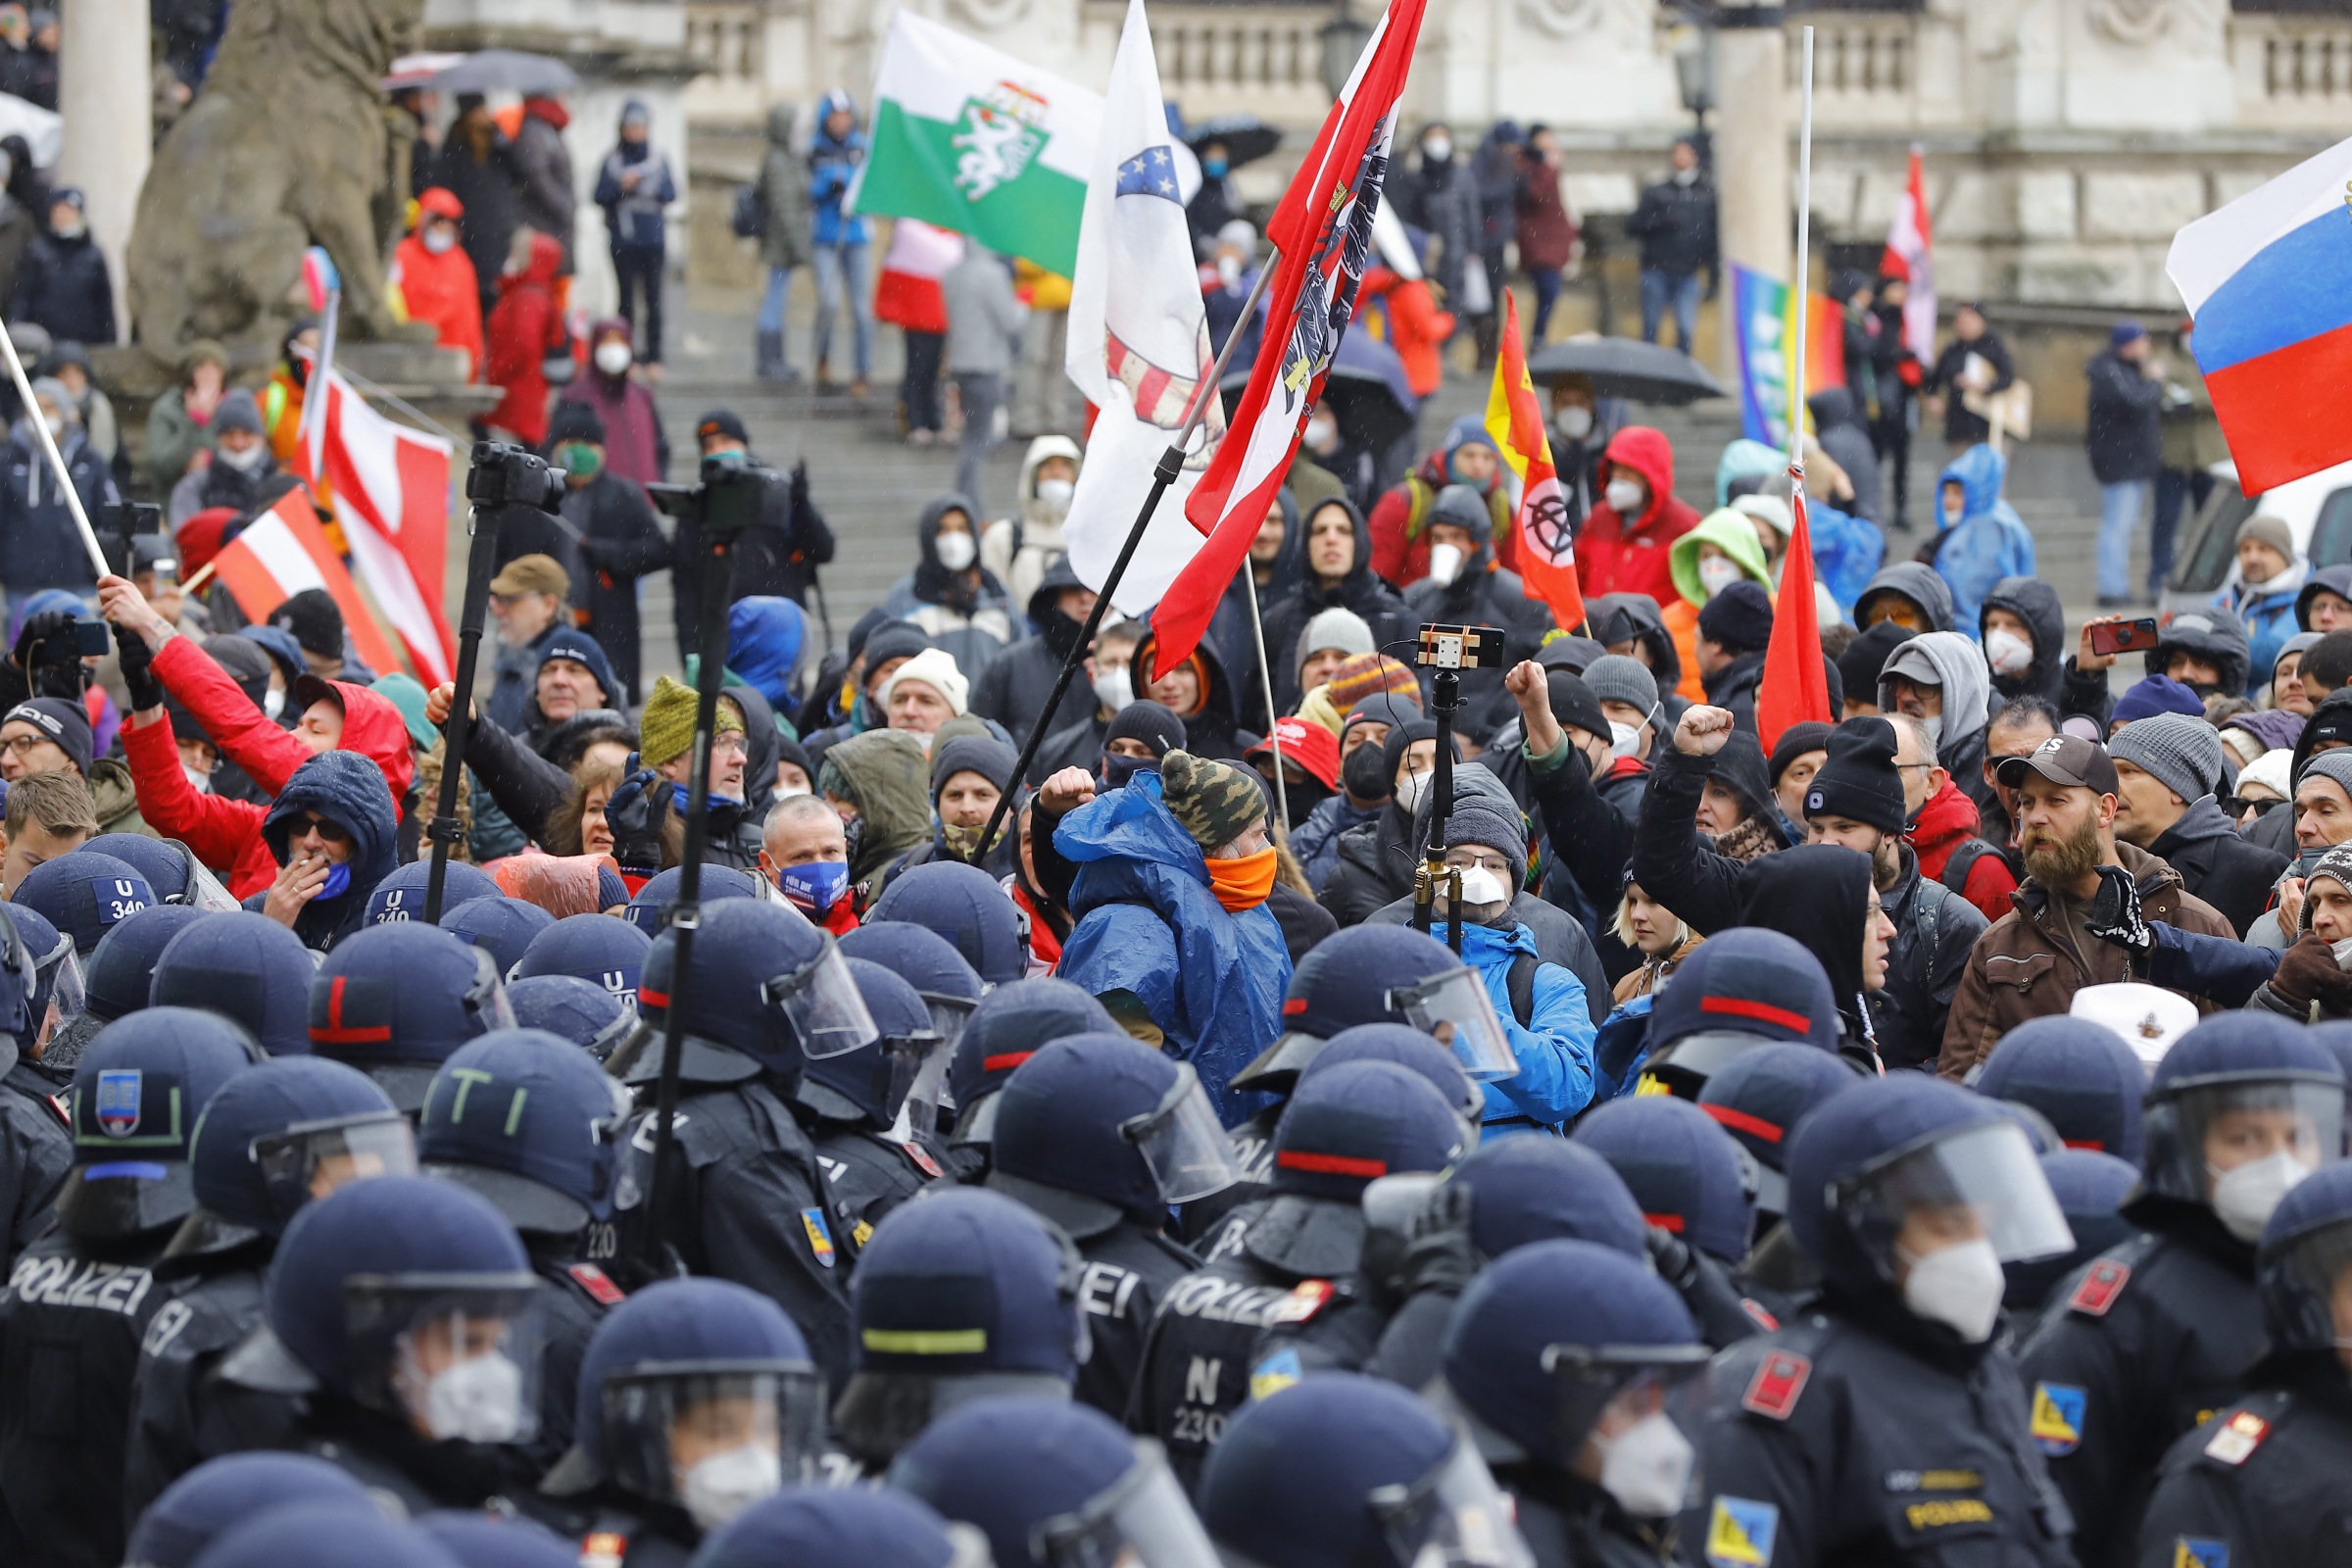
[(104, 90), (1754, 116)]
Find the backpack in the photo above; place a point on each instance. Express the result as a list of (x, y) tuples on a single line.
[(1964, 858), (750, 218)]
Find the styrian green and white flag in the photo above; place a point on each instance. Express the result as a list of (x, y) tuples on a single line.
[(969, 138)]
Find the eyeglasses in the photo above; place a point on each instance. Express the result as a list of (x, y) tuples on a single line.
[(23, 745), (732, 742), (1482, 863)]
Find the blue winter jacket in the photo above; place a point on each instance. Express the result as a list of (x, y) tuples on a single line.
[(1555, 1046), (1147, 924), (348, 790), (2269, 615), (1316, 841), (832, 165), (1990, 542), (635, 219), (1847, 549), (2216, 968)]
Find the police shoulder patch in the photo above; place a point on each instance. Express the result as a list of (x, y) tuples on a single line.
[(2197, 1551), (2056, 1422), (598, 1284), (820, 1239), (1306, 1299), (1758, 1314), (1778, 1383), (922, 1159), (2234, 1441), (2097, 1290), (1741, 1533)]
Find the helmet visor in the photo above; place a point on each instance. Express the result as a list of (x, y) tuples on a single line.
[(309, 1161), (2227, 1123), (1455, 1009), (918, 1072), (58, 977), (821, 1001), (455, 1355), (1141, 1521), (486, 998), (1980, 1182), (1183, 1142), (748, 1421), (1453, 1517), (948, 1015), (204, 890), (1603, 1389)]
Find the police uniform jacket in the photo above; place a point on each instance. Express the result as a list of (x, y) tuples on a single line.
[(2262, 1484), (37, 1150), (1568, 1522), (1129, 1268), (213, 1302)]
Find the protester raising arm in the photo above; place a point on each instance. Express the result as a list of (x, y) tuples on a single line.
[(244, 734), (1671, 864), (526, 786), (1589, 836)]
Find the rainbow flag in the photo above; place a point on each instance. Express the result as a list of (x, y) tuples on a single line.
[(1764, 311)]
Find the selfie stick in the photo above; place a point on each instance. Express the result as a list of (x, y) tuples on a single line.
[(56, 461), (1445, 698)]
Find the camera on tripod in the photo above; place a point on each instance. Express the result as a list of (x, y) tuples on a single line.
[(505, 476), (730, 499)]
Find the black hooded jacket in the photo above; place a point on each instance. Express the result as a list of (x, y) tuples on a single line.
[(2217, 865), (1014, 688), (1820, 895), (1484, 595), (2036, 602), (348, 790), (1359, 591)]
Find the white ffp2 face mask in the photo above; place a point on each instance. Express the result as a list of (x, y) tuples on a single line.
[(1482, 887), (1409, 792), (202, 783), (1444, 564), (956, 550), (1624, 740), (1960, 1286), (1114, 688), (717, 1488), (1055, 495), (2007, 653), (1718, 573), (612, 357), (2245, 1195), (1625, 497), (1647, 1466), (1322, 435), (479, 1399), (1575, 421)]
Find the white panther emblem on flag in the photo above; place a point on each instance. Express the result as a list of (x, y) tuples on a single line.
[(999, 138)]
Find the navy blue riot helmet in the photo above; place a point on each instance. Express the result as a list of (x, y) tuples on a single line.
[(1345, 981), (812, 1526), (396, 1000), (2092, 1190), (963, 1295), (84, 895), (530, 1122), (1053, 1486), (964, 904), (1094, 1127), (578, 1011), (589, 947), (1739, 990), (496, 1539), (1346, 1471), (170, 866), (2078, 1074), (869, 1084), (1557, 1335), (19, 982), (2306, 1247), (683, 1347), (249, 969), (1527, 1190), (280, 1133), (926, 961), (1866, 1160), (57, 995), (767, 985), (1690, 1179), (363, 1538), (120, 974), (1759, 1097), (649, 910), (2245, 1067), (1411, 1049), (220, 1494), (137, 1092), (1005, 1030), (401, 894), (363, 1271), (1342, 1131), (500, 926)]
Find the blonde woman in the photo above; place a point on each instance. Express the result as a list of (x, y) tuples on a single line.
[(1658, 934)]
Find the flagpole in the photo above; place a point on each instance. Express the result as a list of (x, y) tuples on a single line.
[(56, 460), (1804, 290), (1163, 474), (1258, 633)]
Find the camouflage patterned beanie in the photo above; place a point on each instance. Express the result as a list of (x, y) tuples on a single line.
[(1215, 801)]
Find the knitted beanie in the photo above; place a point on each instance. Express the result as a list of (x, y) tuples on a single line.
[(934, 667), (1616, 678), (2181, 752), (1370, 674), (1739, 619), (1859, 779), (1337, 627), (1215, 801), (666, 730)]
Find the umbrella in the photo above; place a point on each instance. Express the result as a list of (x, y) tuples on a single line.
[(1366, 390), (1246, 137), (509, 69), (1625, 367)]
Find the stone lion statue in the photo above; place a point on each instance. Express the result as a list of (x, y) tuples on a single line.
[(286, 147)]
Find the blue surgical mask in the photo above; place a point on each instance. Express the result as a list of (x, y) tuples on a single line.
[(679, 794), (815, 888), (1213, 167), (338, 881)]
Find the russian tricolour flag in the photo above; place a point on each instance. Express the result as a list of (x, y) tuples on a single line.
[(2268, 280)]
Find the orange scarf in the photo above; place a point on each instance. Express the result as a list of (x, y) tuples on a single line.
[(1243, 883)]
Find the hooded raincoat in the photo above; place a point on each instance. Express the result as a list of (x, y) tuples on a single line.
[(1733, 533), (1987, 544), (1018, 550), (1628, 555), (525, 331), (343, 789)]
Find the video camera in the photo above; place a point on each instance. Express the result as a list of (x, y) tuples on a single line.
[(1460, 648), (730, 498), (505, 476)]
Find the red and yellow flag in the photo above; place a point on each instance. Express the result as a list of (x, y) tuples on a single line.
[(1541, 546)]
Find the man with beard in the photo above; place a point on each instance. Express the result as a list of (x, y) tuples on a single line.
[(2081, 917)]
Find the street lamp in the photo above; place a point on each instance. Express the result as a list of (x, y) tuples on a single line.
[(1694, 75), (1342, 38)]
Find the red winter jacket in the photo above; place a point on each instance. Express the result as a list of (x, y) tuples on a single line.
[(525, 329), (1399, 522), (1946, 821), (1617, 557)]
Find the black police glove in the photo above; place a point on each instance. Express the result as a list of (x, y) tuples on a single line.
[(637, 814), (1438, 1253), (2114, 913), (1672, 1258), (138, 671)]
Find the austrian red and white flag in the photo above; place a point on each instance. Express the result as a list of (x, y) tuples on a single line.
[(390, 486), (1910, 248), (284, 551), (1323, 229)]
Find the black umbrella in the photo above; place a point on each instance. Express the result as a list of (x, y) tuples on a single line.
[(508, 70), (1366, 390), (1626, 367), (1246, 137)]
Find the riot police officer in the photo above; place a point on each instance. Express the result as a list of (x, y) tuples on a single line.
[(400, 896), (1741, 990), (1346, 1469), (850, 1102), (2261, 1483), (2143, 1343), (397, 1000), (649, 908), (1696, 1188), (1571, 1363), (589, 947), (250, 970), (949, 987), (1004, 1029), (697, 1398), (120, 975), (2092, 1190), (171, 868), (743, 1198), (964, 904), (964, 1296), (2078, 1074), (403, 1315), (220, 1494), (1100, 1134), (810, 1528), (35, 1146), (1888, 1427), (79, 1299), (499, 926), (1284, 1258), (529, 1122), (578, 1011), (1055, 1486), (84, 895), (1758, 1098), (277, 1134)]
